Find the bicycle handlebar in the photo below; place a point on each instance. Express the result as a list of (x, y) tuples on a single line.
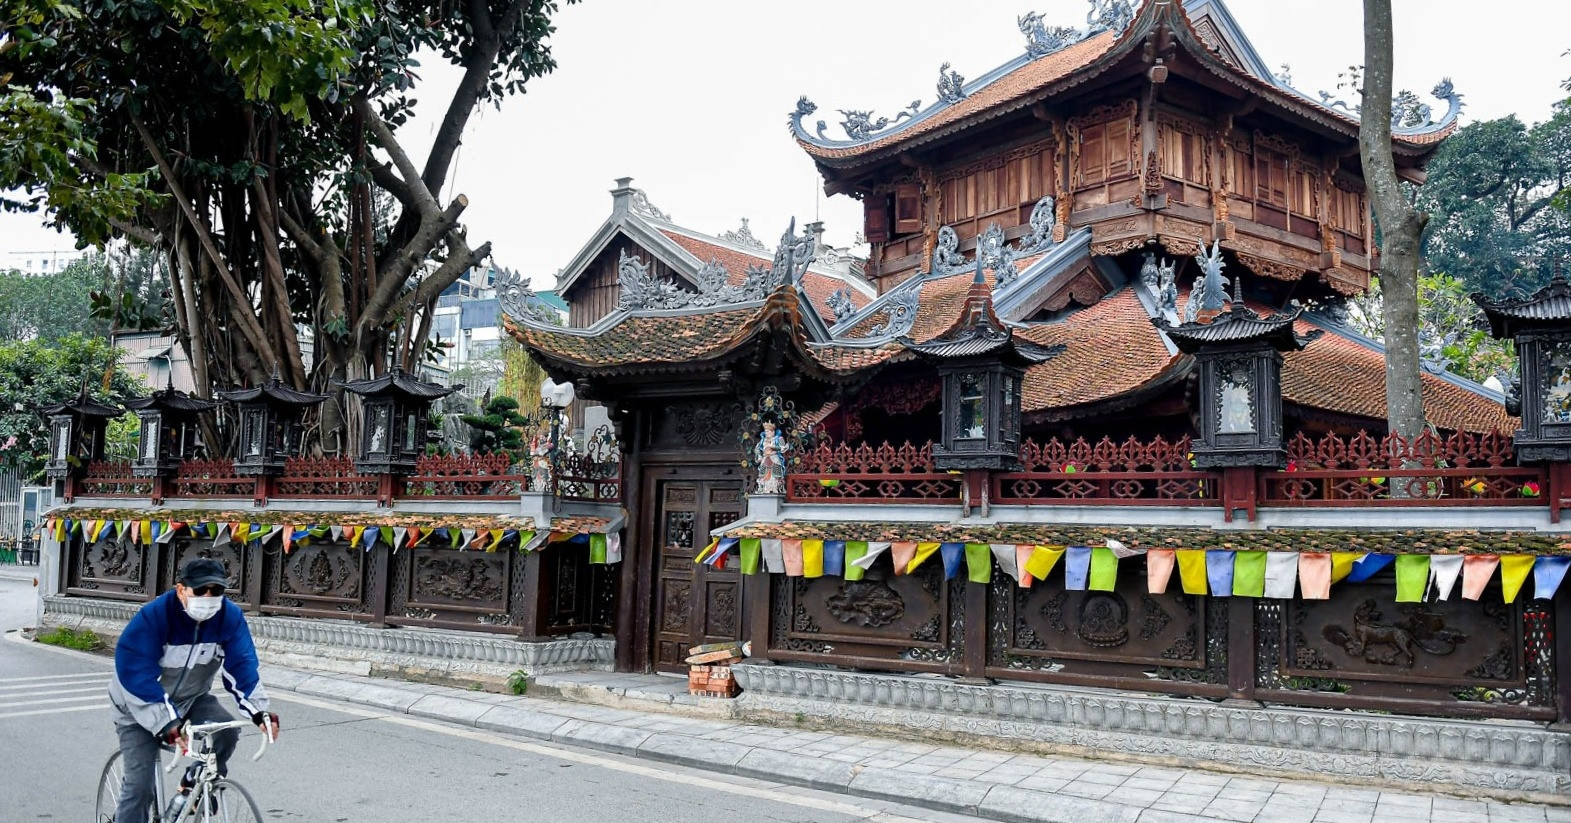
[(192, 731)]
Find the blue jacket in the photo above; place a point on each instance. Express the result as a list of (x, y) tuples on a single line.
[(161, 641)]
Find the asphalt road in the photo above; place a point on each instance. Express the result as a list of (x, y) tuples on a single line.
[(338, 763)]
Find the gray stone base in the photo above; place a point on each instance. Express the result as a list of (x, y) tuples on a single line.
[(354, 648), (1514, 760)]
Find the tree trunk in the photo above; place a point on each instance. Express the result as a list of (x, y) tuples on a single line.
[(1400, 228)]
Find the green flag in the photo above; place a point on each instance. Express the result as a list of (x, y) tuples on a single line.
[(1104, 570), (1412, 575), (979, 562), (597, 548), (855, 550), (752, 548), (1249, 574)]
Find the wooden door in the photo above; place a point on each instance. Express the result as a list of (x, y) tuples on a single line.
[(693, 603)]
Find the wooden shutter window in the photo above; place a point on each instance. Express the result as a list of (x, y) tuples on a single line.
[(908, 208), (875, 218)]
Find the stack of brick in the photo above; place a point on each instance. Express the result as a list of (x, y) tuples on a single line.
[(709, 672)]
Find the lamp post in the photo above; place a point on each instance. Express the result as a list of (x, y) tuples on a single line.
[(555, 397)]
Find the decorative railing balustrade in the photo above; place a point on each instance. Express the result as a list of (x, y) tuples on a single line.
[(1361, 470), (831, 473), (592, 476), (105, 478), (1128, 473), (480, 476), (1461, 469)]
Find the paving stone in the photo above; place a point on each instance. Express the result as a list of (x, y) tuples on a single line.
[(1510, 813), (690, 751), (1456, 809), (1160, 773), (514, 720), (1558, 815), (775, 766), (1141, 783), (1336, 816), (1010, 803), (1134, 797), (1360, 795), (1231, 810), (1097, 775), (1283, 815), (1043, 784), (602, 736), (1242, 795), (1094, 791), (1343, 804), (453, 709), (1411, 801), (955, 795)]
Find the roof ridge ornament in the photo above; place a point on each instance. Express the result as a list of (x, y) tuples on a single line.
[(992, 250), (639, 204), (744, 237), (951, 85), (840, 303), (1042, 40), (899, 314), (643, 291), (520, 302), (1109, 15), (1209, 293), (1408, 115), (860, 125), (792, 257)]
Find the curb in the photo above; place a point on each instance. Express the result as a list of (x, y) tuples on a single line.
[(992, 801)]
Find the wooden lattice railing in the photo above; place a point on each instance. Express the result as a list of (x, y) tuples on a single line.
[(480, 476), (1132, 472), (839, 473), (1461, 469), (316, 477), (210, 478), (112, 478)]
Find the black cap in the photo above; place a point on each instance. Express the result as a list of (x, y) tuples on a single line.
[(204, 571)]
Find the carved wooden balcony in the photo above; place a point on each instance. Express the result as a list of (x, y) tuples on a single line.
[(473, 477), (839, 473), (1131, 473), (112, 478), (1461, 469)]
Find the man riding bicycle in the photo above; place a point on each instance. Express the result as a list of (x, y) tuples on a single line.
[(166, 658)]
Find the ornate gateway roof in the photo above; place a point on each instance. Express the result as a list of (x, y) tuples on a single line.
[(1057, 59)]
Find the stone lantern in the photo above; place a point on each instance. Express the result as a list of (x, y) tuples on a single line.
[(394, 433), (1541, 327), (1239, 356), (269, 425), (76, 434), (982, 367), (169, 430)]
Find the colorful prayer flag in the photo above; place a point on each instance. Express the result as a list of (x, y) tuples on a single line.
[(1476, 571), (979, 563), (1077, 568), (1281, 574), (1043, 559), (1315, 570), (1159, 570), (812, 558), (1548, 573), (1219, 572), (1412, 577), (1514, 569), (1249, 574), (1104, 570), (1192, 570), (1443, 572)]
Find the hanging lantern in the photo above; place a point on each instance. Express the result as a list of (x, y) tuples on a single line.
[(169, 430), (76, 434), (1541, 327)]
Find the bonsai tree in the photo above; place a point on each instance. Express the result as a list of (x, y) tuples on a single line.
[(498, 428)]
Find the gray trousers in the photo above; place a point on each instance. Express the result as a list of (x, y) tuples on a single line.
[(139, 754)]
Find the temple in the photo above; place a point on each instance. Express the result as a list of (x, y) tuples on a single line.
[(1084, 449)]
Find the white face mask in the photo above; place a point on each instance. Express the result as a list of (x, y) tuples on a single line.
[(202, 608)]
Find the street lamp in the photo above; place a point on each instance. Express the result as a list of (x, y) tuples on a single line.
[(556, 397)]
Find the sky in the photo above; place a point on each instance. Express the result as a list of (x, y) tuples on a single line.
[(690, 99)]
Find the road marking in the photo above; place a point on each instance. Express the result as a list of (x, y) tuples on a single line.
[(51, 677), (94, 707), (12, 705), (48, 688), (601, 761)]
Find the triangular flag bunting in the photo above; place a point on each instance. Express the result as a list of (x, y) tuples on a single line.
[(1443, 572)]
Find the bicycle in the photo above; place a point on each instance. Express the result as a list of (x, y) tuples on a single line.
[(211, 799)]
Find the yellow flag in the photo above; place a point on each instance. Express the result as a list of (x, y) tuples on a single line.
[(812, 558), (1192, 570), (1342, 564), (1042, 561), (1514, 569), (923, 551)]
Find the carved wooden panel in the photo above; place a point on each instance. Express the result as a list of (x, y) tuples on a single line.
[(711, 425), (319, 579), (1477, 657), (113, 567), (468, 580), (913, 622), (693, 603)]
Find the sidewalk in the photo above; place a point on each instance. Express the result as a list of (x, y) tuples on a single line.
[(991, 784)]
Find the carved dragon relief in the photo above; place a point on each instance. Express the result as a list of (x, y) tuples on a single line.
[(1395, 643)]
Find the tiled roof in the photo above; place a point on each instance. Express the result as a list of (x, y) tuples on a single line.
[(1017, 88), (645, 340), (849, 359), (1110, 349), (1338, 374), (992, 99), (817, 284)]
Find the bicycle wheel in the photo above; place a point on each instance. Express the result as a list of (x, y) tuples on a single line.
[(228, 802), (110, 782)]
